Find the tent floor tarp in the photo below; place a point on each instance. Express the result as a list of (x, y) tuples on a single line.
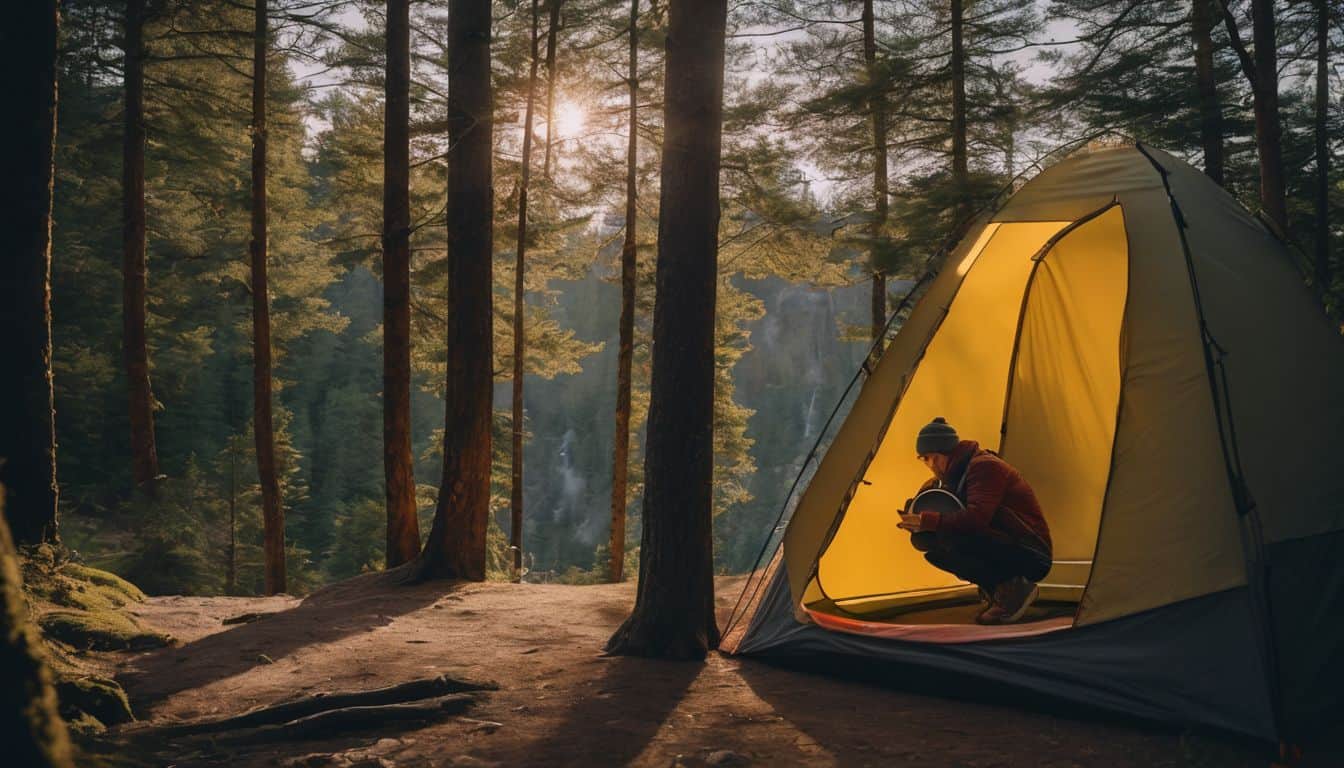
[(948, 624)]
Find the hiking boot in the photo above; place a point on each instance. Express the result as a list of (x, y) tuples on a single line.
[(1011, 600), (986, 602)]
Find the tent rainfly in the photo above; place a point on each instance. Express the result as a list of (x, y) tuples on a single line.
[(1147, 354)]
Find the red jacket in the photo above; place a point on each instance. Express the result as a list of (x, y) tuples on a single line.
[(997, 498)]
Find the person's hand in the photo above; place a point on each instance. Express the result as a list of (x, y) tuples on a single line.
[(909, 523)]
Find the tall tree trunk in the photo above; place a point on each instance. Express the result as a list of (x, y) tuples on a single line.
[(674, 609), (620, 461), (960, 173), (877, 106), (231, 552), (35, 735), (456, 545), (27, 418), (1210, 111), (403, 526), (263, 428), (553, 27), (519, 305), (1262, 71), (1268, 131), (1322, 255), (135, 349)]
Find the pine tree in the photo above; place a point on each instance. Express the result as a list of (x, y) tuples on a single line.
[(674, 608), (27, 431), (620, 462), (1261, 69), (456, 545), (403, 530), (135, 350)]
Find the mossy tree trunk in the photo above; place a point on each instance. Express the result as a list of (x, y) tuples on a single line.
[(27, 428), (35, 735), (273, 515), (620, 461), (674, 607), (456, 544), (403, 525)]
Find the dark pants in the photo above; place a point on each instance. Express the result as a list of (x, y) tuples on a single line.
[(984, 560)]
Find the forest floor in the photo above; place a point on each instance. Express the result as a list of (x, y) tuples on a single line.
[(560, 702)]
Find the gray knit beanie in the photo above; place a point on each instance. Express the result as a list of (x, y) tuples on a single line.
[(936, 437)]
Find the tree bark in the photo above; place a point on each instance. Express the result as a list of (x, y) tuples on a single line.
[(263, 428), (27, 426), (960, 172), (553, 27), (1210, 111), (1262, 71), (620, 462), (519, 305), (231, 549), (35, 735), (674, 608), (135, 349), (1322, 254), (877, 107), (456, 545), (403, 526)]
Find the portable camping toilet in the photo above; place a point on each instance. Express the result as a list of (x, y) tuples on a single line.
[(1147, 354)]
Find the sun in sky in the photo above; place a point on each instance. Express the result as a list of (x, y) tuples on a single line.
[(569, 119)]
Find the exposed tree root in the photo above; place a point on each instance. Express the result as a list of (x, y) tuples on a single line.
[(331, 703), (339, 722)]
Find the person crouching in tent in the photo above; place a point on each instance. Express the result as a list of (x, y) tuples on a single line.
[(996, 538)]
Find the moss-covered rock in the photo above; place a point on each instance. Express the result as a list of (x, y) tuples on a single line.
[(108, 630), (109, 582), (100, 697), (84, 724)]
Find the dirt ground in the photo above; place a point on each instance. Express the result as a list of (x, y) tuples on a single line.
[(561, 702)]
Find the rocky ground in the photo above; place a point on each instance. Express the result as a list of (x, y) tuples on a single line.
[(559, 701)]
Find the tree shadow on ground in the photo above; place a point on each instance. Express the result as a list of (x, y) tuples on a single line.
[(913, 713), (631, 700), (352, 606)]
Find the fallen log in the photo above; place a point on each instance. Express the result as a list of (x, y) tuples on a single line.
[(415, 690)]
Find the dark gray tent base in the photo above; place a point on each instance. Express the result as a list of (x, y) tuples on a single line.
[(1123, 666)]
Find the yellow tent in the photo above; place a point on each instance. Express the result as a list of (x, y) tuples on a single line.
[(1146, 353)]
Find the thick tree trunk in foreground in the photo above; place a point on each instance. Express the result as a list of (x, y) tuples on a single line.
[(1322, 255), (674, 609), (135, 349), (1210, 111), (403, 527), (877, 106), (960, 172), (553, 27), (263, 428), (35, 735), (519, 305), (456, 545), (1262, 71), (620, 460), (27, 427)]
